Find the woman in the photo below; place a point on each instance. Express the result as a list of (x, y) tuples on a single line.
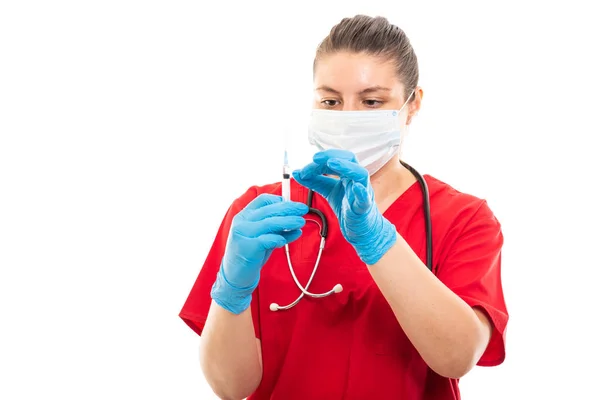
[(397, 330)]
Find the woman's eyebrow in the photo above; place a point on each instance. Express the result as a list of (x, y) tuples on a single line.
[(325, 88), (374, 89), (370, 89)]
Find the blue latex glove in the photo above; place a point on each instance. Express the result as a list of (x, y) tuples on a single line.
[(351, 198), (263, 225)]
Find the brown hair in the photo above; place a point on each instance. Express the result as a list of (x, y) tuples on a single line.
[(375, 36)]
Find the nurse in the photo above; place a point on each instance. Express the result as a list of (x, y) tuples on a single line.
[(397, 330)]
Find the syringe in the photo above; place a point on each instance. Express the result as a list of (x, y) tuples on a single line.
[(285, 182)]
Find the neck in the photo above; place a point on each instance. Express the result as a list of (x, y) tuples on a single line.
[(390, 182)]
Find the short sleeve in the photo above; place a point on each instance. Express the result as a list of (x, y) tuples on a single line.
[(472, 270), (197, 304)]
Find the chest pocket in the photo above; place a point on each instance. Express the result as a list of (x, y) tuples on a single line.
[(311, 318)]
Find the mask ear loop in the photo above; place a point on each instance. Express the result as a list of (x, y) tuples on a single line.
[(406, 127), (407, 100)]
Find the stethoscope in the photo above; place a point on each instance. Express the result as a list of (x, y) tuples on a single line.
[(323, 227)]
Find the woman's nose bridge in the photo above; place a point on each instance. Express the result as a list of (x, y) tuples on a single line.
[(351, 103)]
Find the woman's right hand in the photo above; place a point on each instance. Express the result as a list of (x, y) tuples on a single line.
[(263, 225)]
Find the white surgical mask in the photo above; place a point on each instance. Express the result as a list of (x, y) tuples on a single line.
[(373, 136)]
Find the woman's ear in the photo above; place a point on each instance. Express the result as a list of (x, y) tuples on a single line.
[(415, 105)]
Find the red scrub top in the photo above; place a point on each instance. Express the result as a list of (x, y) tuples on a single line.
[(349, 345)]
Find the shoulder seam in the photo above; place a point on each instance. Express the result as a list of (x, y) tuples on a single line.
[(472, 217)]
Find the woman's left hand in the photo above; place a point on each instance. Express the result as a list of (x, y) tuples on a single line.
[(352, 200)]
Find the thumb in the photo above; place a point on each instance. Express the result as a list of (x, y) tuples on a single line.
[(359, 199), (271, 241)]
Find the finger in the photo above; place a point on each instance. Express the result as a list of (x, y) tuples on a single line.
[(270, 225), (263, 200), (282, 209), (359, 199), (272, 241), (348, 169), (322, 157), (319, 183)]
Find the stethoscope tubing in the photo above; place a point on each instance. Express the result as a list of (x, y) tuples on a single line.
[(323, 230)]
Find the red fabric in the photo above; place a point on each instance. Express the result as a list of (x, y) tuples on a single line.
[(349, 345)]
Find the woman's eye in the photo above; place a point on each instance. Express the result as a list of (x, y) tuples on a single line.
[(329, 103), (373, 103)]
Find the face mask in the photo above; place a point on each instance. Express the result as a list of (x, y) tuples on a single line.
[(373, 136)]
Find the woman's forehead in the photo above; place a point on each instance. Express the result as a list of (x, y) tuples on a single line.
[(355, 72)]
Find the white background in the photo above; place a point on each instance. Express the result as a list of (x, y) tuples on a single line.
[(119, 118)]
